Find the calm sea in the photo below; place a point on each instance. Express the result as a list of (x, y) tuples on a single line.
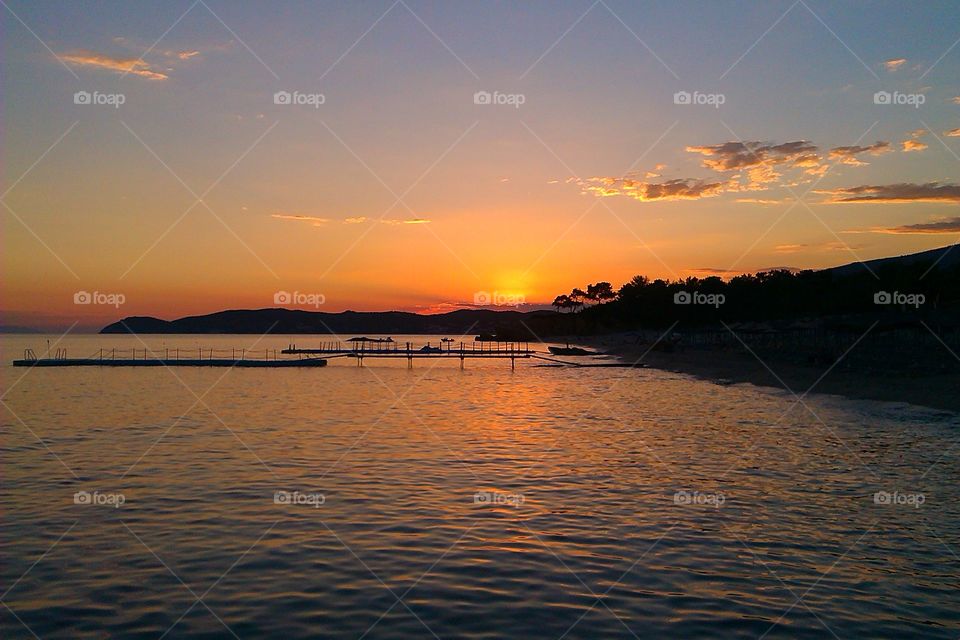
[(385, 502)]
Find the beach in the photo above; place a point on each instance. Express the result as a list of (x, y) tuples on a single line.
[(731, 365)]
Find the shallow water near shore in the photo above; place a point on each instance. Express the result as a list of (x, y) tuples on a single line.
[(544, 502)]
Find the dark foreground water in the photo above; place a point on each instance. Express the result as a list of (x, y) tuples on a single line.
[(383, 502)]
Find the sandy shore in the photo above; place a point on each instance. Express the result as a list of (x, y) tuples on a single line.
[(935, 391)]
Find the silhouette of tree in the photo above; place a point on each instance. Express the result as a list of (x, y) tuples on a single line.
[(601, 292), (577, 296)]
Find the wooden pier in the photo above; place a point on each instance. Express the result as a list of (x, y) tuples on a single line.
[(294, 356), (169, 358), (408, 350)]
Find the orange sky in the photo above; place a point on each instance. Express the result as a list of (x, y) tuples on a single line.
[(399, 188)]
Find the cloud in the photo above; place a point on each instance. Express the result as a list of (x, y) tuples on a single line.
[(408, 221), (186, 55), (848, 155), (901, 192), (316, 221), (357, 220), (913, 145), (955, 100), (135, 66), (943, 226), (894, 63), (677, 189), (762, 200), (707, 271), (759, 160), (953, 133), (731, 156), (824, 246)]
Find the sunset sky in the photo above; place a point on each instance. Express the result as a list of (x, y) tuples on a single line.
[(389, 187)]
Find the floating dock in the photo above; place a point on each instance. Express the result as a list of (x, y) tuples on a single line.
[(162, 362), (305, 357), (147, 358), (380, 349)]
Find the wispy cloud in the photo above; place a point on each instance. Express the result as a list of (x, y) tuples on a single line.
[(942, 226), (732, 156), (296, 217), (894, 63), (848, 155), (677, 189), (913, 145), (357, 220), (93, 59), (901, 192), (953, 133), (823, 246), (762, 200), (407, 221), (708, 271)]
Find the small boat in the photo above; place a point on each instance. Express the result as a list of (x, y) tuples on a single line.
[(447, 340), (571, 351)]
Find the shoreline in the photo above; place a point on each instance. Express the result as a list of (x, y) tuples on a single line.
[(934, 391)]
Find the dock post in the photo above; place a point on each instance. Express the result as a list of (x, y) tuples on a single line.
[(513, 364)]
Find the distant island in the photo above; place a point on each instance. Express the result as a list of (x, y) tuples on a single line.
[(924, 285)]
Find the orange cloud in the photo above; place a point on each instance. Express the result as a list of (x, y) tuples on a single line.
[(677, 189), (300, 218), (848, 155), (913, 145), (135, 66), (953, 133), (825, 246), (902, 192), (761, 201), (357, 220), (894, 63), (731, 156), (408, 221), (945, 226)]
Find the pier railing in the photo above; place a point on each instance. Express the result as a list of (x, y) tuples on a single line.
[(403, 349), (181, 353)]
